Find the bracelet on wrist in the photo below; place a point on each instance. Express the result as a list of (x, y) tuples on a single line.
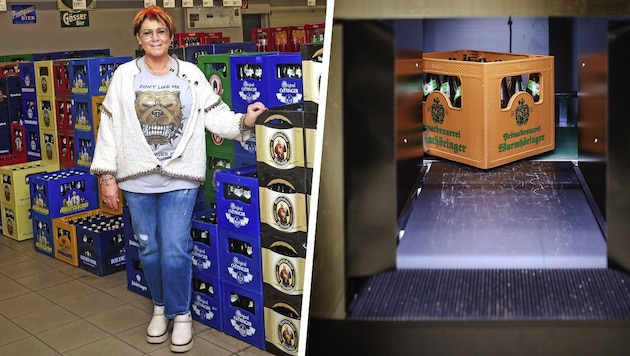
[(103, 180)]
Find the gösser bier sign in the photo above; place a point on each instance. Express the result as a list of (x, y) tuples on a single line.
[(75, 19)]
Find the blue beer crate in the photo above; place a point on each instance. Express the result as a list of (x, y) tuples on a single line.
[(205, 255), (237, 199), (243, 314), (91, 76), (101, 245), (83, 113), (206, 300), (84, 144), (27, 77), (240, 259), (272, 78), (64, 192), (234, 47), (43, 234)]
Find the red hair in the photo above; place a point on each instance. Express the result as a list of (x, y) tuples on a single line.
[(156, 13)]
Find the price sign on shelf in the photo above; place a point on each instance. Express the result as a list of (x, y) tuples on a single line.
[(238, 3), (311, 2), (187, 3), (3, 5), (169, 3)]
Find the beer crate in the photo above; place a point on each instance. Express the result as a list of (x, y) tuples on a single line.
[(11, 158), (16, 221), (18, 139), (64, 112), (43, 235), (262, 38), (101, 245), (282, 324), (216, 163), (27, 76), (237, 200), (481, 133), (64, 192), (83, 111), (6, 143), (315, 32), (272, 78), (240, 259), (284, 202), (15, 181), (91, 76), (52, 77), (65, 140), (136, 281), (283, 266), (50, 149), (243, 314), (84, 143), (33, 143), (97, 108), (285, 136), (205, 255), (234, 47), (312, 65), (65, 233), (46, 112), (29, 108), (206, 300)]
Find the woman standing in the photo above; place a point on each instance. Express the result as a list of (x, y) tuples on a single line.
[(151, 145)]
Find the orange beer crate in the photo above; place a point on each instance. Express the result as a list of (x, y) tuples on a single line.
[(479, 132)]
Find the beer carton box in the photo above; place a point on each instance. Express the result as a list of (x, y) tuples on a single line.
[(205, 255), (237, 200), (243, 314), (206, 300), (240, 259), (480, 129), (64, 192), (282, 324)]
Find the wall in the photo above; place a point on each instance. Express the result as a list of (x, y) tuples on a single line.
[(110, 25)]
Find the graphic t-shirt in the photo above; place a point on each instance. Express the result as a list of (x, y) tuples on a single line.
[(163, 106)]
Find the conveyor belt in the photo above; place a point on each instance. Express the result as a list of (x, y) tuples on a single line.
[(494, 294), (528, 214)]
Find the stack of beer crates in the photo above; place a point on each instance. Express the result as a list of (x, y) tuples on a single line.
[(285, 157), (240, 259), (240, 79)]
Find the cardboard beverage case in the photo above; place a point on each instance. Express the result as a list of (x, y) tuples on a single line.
[(481, 133)]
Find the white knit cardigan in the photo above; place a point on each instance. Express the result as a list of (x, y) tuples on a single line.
[(122, 150)]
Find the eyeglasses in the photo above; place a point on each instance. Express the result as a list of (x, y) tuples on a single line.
[(161, 33)]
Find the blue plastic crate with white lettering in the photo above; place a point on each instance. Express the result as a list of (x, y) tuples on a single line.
[(205, 255), (206, 301), (237, 199), (101, 245), (43, 234), (272, 78), (243, 314), (65, 192), (91, 76), (240, 259)]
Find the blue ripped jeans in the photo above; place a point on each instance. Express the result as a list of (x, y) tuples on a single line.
[(162, 223)]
